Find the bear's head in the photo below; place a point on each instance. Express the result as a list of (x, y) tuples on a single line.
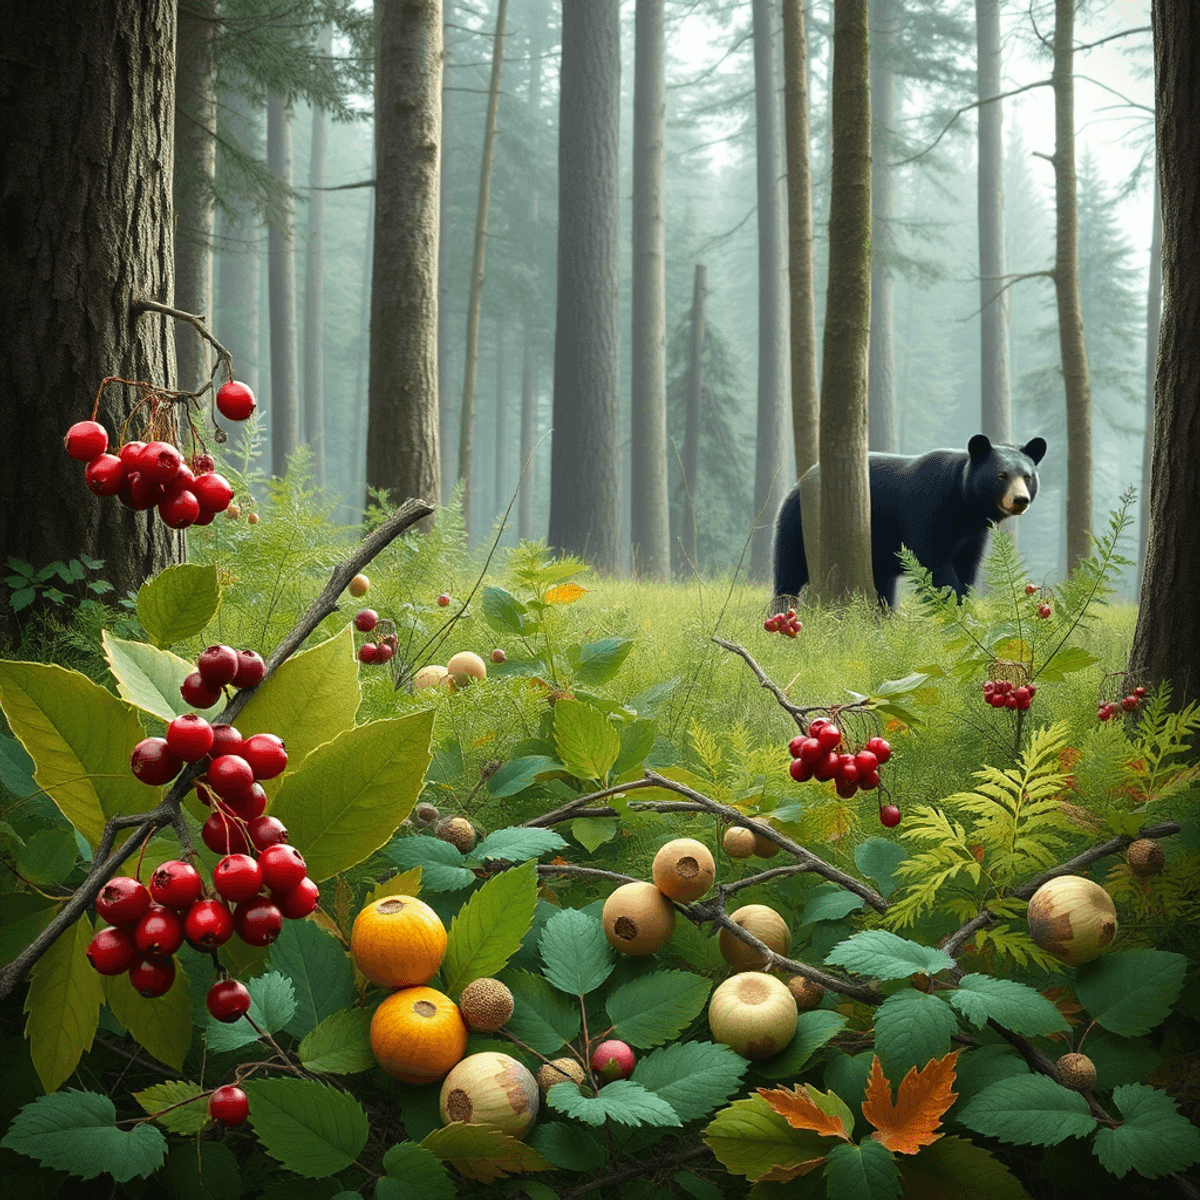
[(1004, 478)]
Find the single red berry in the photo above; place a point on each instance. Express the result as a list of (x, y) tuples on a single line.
[(1139, 692), (251, 669), (152, 762), (189, 737), (800, 770), (112, 951), (202, 463), (810, 751), (830, 737), (137, 494), (230, 775), (213, 491), (152, 976), (795, 744), (1030, 588), (866, 760), (176, 884), (1043, 610), (248, 805), (237, 877), (367, 653), (204, 517), (159, 461), (846, 788), (105, 475), (498, 655), (815, 724), (868, 781), (1129, 703), (889, 815), (443, 599), (86, 440), (847, 771), (878, 747), (197, 693), (223, 835), (298, 902), (122, 901), (217, 665), (365, 620), (769, 625), (257, 921), (384, 651), (282, 867), (129, 454), (228, 1000), (1031, 688), (235, 400), (208, 924), (229, 1104), (825, 768), (226, 740), (266, 755), (267, 831), (159, 932)]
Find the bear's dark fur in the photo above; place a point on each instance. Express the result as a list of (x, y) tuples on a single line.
[(940, 505)]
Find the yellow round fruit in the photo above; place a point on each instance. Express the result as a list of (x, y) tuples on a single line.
[(766, 925), (398, 941), (491, 1089), (684, 869), (638, 919), (466, 667), (418, 1034), (753, 1014), (432, 676), (739, 841), (358, 586), (1073, 918)]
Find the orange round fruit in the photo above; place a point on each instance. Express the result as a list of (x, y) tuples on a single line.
[(418, 1034), (398, 941)]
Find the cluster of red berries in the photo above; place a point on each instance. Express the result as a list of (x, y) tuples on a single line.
[(1043, 609), (783, 623), (366, 620), (820, 755), (1115, 708), (1003, 693)]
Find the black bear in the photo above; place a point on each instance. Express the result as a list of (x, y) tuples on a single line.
[(940, 505)]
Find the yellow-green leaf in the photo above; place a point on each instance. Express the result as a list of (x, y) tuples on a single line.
[(163, 1025), (750, 1138), (487, 931), (564, 593), (178, 602), (63, 1004), (407, 883), (80, 737), (483, 1152), (350, 795), (587, 743), (150, 678), (180, 1106)]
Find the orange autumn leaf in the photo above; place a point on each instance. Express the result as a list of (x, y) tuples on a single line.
[(802, 1108), (921, 1101), (564, 593)]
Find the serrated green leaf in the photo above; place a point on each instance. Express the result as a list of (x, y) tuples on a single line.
[(80, 736), (63, 1006), (593, 832), (750, 1138), (178, 602), (587, 743), (150, 678), (519, 773), (597, 662), (577, 955), (179, 1106), (22, 598), (339, 1045), (515, 844), (272, 1006), (692, 1077), (320, 971), (1131, 992), (163, 1025), (1016, 1006), (829, 903), (566, 1146), (863, 1172), (416, 1173), (502, 610), (487, 931), (441, 864), (483, 1152), (813, 1030), (348, 797), (543, 1018), (1030, 1110), (76, 1132), (655, 1008), (912, 1027), (1068, 659), (1153, 1139), (623, 1101), (47, 856), (203, 1170), (879, 858), (311, 1128), (1120, 1060), (953, 1168), (884, 954), (982, 1066)]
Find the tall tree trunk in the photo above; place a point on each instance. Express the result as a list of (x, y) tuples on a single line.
[(801, 266), (585, 467), (1066, 287), (402, 427), (843, 565), (1153, 327), (194, 183), (86, 140), (881, 386), (691, 420), (466, 428), (281, 276), (445, 401), (356, 473), (499, 491), (1166, 642), (314, 285), (995, 389), (773, 433), (650, 530)]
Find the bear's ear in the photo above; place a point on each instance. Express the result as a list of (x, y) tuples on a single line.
[(1035, 449), (979, 447)]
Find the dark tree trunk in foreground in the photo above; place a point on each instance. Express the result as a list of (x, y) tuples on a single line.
[(281, 296), (314, 286), (86, 97), (585, 462), (1153, 328), (445, 400), (1166, 642), (691, 421), (402, 427)]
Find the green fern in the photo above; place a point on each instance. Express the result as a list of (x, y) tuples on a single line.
[(1153, 770)]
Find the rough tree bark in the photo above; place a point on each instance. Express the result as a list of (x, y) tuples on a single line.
[(445, 402), (314, 285), (281, 295), (1153, 328)]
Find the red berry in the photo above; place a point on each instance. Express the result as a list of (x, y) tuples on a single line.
[(1129, 703), (122, 901), (138, 493), (846, 788), (226, 740), (152, 976), (810, 751), (879, 748), (267, 831), (235, 400), (159, 461), (189, 737), (223, 835), (444, 599), (1043, 610), (204, 517), (365, 620), (889, 815), (384, 651), (825, 768), (258, 922), (815, 724), (112, 951), (800, 770), (229, 1104), (237, 877), (795, 744), (250, 670), (86, 440), (213, 491), (129, 454), (1030, 588), (847, 771), (367, 652), (498, 655), (159, 932), (152, 762), (230, 775), (105, 475), (282, 867), (248, 805), (176, 884), (866, 760), (228, 1000), (197, 693), (203, 463), (266, 755), (830, 737), (208, 924), (217, 665), (868, 781), (1139, 692), (298, 902)]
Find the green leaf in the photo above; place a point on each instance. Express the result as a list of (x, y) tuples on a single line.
[(519, 773), (879, 858), (1016, 1006), (692, 1077), (750, 1138), (1120, 1060), (813, 1030), (178, 602), (163, 1026), (597, 662), (863, 1172), (878, 952), (623, 1101), (503, 611), (80, 736), (637, 740), (655, 1008), (487, 931), (320, 970), (1030, 1110), (953, 1168), (984, 1065), (349, 796), (483, 1152), (829, 903), (910, 1029), (1154, 1139), (77, 1132), (577, 955), (22, 598), (16, 768), (63, 1003), (587, 743), (340, 1044), (441, 864), (312, 1128), (417, 1173), (150, 678), (543, 1018), (566, 1146), (516, 844), (47, 856), (206, 1170), (592, 832), (272, 1006), (1068, 659), (1131, 992), (23, 915), (185, 1105)]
